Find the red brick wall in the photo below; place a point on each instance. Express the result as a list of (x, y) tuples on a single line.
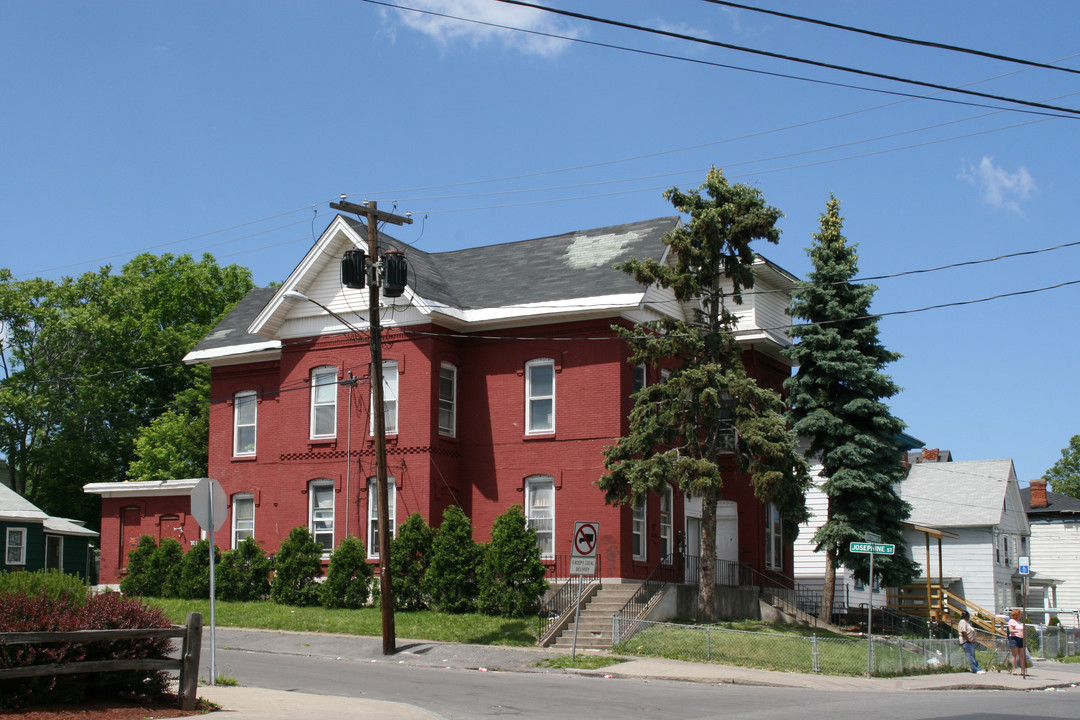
[(125, 520), (482, 469)]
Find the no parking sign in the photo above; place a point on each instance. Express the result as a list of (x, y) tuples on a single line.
[(583, 554)]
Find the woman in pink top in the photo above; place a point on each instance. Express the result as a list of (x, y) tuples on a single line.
[(1016, 643)]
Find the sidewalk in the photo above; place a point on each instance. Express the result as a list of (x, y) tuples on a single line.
[(244, 703)]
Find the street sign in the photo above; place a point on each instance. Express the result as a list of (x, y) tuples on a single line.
[(586, 535), (205, 492), (582, 565), (871, 537), (583, 554), (1025, 566), (873, 548)]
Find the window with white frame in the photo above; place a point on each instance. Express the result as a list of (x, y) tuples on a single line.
[(15, 544), (324, 389), (321, 513), (540, 396), (245, 407), (774, 538), (448, 400), (540, 512), (390, 398), (243, 517), (666, 532), (638, 529), (373, 513), (639, 376)]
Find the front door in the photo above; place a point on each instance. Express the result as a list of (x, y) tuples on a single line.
[(54, 552)]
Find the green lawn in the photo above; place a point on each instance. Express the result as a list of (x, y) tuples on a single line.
[(422, 625), (774, 647), (747, 643)]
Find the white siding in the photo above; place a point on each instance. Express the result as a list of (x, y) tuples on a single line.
[(1055, 553), (809, 567), (969, 557)]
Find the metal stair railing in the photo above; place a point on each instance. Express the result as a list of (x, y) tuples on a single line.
[(562, 603), (628, 619)]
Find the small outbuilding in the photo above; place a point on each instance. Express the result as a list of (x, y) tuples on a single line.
[(33, 540)]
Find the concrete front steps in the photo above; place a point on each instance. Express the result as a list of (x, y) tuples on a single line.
[(594, 622)]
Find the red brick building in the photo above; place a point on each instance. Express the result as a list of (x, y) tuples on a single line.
[(504, 382)]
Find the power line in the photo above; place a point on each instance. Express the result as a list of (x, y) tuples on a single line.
[(894, 38), (789, 58), (698, 61)]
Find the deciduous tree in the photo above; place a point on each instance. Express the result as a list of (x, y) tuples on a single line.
[(88, 363), (1064, 475)]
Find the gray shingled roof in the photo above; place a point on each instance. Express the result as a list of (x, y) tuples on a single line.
[(232, 330), (1057, 504), (14, 506), (957, 494), (560, 267)]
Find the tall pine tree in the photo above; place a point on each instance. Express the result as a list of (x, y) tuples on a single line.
[(837, 400), (681, 429)]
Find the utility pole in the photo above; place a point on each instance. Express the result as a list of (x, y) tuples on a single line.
[(386, 591)]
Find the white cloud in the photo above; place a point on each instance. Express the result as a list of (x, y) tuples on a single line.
[(999, 187), (446, 30)]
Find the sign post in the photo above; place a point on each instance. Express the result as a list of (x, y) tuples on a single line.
[(582, 562), (873, 546), (208, 508)]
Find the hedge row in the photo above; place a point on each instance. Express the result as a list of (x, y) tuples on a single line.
[(444, 569)]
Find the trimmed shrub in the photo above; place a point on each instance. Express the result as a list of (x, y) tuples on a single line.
[(195, 571), (511, 576), (56, 586), (409, 553), (136, 581), (297, 564), (450, 579), (348, 579), (20, 612), (244, 573), (163, 569)]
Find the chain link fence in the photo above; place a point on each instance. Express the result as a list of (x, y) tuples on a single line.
[(812, 653)]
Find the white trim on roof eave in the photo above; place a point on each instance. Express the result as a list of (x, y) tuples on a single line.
[(141, 488), (555, 308), (237, 353), (758, 334), (270, 314), (23, 515)]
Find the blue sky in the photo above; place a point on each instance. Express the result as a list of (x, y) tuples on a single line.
[(228, 127)]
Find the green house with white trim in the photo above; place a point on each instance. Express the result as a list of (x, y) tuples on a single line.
[(33, 540)]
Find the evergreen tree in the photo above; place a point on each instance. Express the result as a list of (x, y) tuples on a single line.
[(410, 551), (297, 564), (450, 579), (195, 571), (137, 581), (709, 419), (1064, 475), (244, 573), (837, 401), (511, 577), (163, 569), (348, 579)]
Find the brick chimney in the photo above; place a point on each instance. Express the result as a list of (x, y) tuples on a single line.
[(1038, 494), (930, 454)]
